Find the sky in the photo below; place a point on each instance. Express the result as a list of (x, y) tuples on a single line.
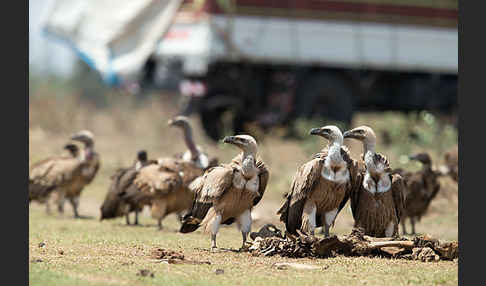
[(46, 55)]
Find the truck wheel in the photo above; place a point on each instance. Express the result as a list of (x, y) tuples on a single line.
[(212, 122), (212, 119), (327, 96)]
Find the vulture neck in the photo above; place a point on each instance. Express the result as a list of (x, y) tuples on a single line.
[(334, 153), (190, 143), (369, 149), (369, 146), (427, 167), (88, 150), (248, 163)]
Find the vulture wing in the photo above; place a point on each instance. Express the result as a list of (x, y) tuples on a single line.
[(122, 178), (263, 177), (208, 188), (304, 181), (187, 170), (93, 168), (157, 180), (46, 177), (398, 189), (214, 183), (355, 192), (38, 187), (354, 171)]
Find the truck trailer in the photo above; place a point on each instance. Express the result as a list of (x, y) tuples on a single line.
[(270, 62)]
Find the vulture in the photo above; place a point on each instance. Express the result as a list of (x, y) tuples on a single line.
[(228, 192), (123, 197), (420, 189), (91, 165), (161, 186), (58, 172), (321, 187), (183, 169), (194, 153), (377, 199), (451, 159), (179, 174)]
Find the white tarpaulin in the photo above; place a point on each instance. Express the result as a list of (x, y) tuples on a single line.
[(115, 37)]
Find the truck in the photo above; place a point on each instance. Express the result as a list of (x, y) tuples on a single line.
[(243, 62)]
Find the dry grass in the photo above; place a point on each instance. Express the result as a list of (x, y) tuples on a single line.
[(100, 253)]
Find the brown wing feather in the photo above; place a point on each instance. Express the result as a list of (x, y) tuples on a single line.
[(112, 204), (61, 172), (158, 180), (215, 183), (398, 189), (208, 188), (353, 169), (94, 163), (303, 183), (263, 177)]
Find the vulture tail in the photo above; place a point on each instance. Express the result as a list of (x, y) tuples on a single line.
[(192, 220)]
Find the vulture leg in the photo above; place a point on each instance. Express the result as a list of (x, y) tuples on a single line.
[(127, 218), (48, 207), (244, 224), (309, 218), (136, 217), (390, 230), (329, 218), (159, 209), (326, 230), (60, 202), (179, 217), (404, 229), (412, 221), (74, 203), (214, 228)]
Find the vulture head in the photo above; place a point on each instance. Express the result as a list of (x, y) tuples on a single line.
[(73, 149), (423, 158), (330, 132), (179, 121), (364, 134), (142, 156), (84, 136), (245, 142)]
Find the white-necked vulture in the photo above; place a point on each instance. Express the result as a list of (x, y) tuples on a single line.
[(188, 166), (421, 188), (228, 192), (54, 173), (91, 166), (194, 153), (321, 187), (123, 197), (377, 201)]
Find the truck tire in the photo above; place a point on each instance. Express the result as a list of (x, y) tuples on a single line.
[(326, 95), (212, 110), (211, 120)]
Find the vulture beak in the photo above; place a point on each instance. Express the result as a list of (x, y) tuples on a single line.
[(320, 132), (348, 134), (77, 137), (352, 134), (229, 139), (412, 157)]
